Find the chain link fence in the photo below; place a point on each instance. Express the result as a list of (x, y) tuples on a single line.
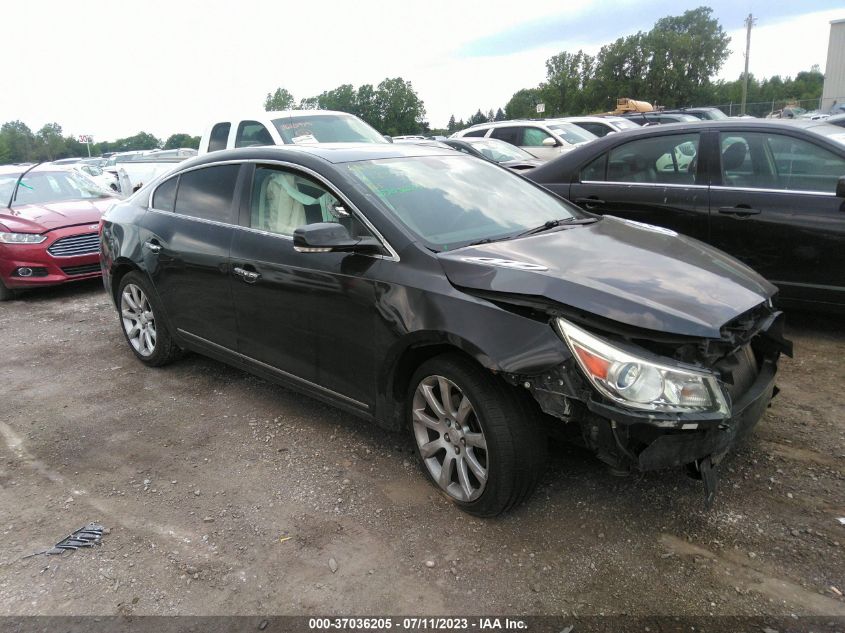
[(764, 108)]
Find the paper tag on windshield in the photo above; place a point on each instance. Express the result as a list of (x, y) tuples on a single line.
[(305, 139)]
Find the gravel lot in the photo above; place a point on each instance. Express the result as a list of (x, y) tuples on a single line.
[(225, 494)]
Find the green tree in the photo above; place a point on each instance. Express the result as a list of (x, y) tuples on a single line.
[(19, 140), (400, 109), (367, 106), (477, 118), (452, 126), (686, 51), (51, 143), (500, 115), (343, 99), (175, 141), (310, 103), (523, 104), (567, 78), (5, 154), (281, 99)]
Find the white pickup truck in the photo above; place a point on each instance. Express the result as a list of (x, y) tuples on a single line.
[(288, 127), (135, 169)]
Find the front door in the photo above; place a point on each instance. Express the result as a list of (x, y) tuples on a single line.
[(308, 315), (773, 206)]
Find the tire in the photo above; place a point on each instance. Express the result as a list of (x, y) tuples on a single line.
[(138, 313), (5, 293), (491, 436)]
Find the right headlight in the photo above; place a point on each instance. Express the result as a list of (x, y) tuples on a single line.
[(21, 238), (641, 383)]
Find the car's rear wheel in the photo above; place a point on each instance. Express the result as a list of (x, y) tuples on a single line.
[(478, 440), (146, 333)]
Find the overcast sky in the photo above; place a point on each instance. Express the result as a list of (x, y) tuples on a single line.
[(112, 69)]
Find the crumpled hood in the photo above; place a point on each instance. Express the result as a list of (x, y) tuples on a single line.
[(39, 218), (628, 272)]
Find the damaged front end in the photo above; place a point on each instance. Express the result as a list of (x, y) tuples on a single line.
[(644, 400)]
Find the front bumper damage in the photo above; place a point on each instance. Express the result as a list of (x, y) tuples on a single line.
[(630, 440)]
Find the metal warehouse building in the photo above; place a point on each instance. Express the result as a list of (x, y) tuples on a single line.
[(834, 74)]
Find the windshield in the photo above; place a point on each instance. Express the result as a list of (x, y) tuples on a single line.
[(715, 114), (50, 186), (451, 201), (624, 124), (499, 151), (326, 128), (571, 133)]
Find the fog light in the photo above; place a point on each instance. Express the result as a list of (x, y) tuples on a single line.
[(24, 271)]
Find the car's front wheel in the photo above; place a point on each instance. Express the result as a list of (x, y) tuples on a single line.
[(145, 331), (478, 440)]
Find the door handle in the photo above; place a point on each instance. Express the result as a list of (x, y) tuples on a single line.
[(739, 211), (590, 203), (153, 246), (249, 276)]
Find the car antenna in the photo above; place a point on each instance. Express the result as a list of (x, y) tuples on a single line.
[(18, 182)]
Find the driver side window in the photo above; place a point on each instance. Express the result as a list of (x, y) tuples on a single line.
[(283, 201)]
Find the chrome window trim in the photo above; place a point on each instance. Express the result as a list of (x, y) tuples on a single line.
[(288, 375), (393, 256), (800, 192), (670, 185)]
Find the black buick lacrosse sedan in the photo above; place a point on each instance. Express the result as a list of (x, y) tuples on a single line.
[(444, 296)]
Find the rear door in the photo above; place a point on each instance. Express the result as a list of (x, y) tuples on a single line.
[(773, 206), (655, 180), (186, 239)]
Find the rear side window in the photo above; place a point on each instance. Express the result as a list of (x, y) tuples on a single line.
[(164, 198), (207, 193), (507, 134), (481, 132), (595, 128), (596, 170), (219, 136), (660, 159), (252, 133)]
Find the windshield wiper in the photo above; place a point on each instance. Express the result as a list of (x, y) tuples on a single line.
[(555, 223), (18, 183), (537, 229)]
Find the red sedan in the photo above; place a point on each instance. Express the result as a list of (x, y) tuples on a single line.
[(48, 227)]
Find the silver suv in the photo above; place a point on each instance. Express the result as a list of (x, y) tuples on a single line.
[(544, 139)]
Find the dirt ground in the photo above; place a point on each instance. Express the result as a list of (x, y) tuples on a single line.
[(223, 494)]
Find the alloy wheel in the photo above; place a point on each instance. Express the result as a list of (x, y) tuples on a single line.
[(450, 439), (138, 320)]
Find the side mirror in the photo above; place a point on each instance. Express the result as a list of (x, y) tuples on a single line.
[(840, 187), (550, 142), (330, 237), (387, 138)]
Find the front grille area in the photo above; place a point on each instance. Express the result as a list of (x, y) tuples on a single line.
[(87, 244), (84, 269)]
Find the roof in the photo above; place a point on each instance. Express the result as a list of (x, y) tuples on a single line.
[(19, 168), (335, 153), (278, 114)]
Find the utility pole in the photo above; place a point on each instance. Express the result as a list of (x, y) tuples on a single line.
[(749, 22)]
